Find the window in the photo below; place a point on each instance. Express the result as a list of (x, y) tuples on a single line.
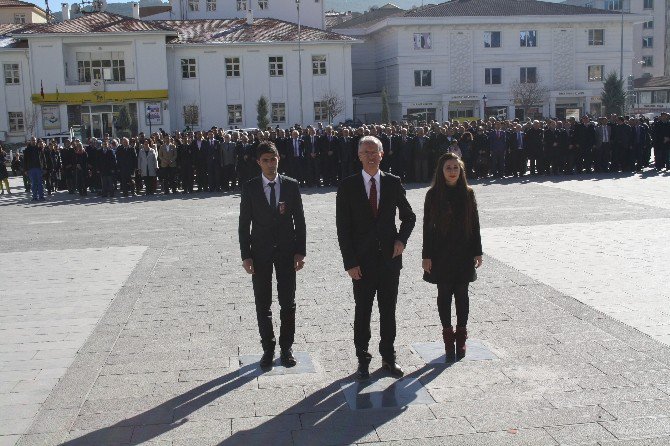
[(596, 37), (263, 4), (12, 75), (645, 97), (320, 111), (492, 39), (596, 73), (241, 5), (194, 5), (235, 114), (648, 4), (660, 97), (614, 5), (278, 112), (647, 61), (647, 42), (276, 66), (232, 67), (648, 25), (16, 123), (318, 65), (191, 115), (211, 5), (528, 38), (187, 68), (109, 66), (423, 78), (493, 76), (422, 41), (528, 75), (20, 18)]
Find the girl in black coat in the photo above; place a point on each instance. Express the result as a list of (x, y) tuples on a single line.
[(452, 247)]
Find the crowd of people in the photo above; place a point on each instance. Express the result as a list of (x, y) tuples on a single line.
[(221, 160)]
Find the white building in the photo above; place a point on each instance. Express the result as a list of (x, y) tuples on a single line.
[(459, 58), (84, 71), (312, 12), (650, 42)]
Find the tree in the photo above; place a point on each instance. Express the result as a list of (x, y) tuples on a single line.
[(30, 121), (262, 112), (385, 106), (191, 115), (333, 104), (123, 122), (613, 97), (528, 94)]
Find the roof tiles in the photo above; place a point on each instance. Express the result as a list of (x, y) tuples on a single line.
[(469, 8)]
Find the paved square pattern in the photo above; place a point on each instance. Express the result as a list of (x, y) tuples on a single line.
[(52, 300), (249, 365), (433, 352), (385, 393), (133, 345)]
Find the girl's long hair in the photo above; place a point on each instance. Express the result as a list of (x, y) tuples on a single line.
[(459, 215)]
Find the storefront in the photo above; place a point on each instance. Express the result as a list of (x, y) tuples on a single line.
[(102, 113), (462, 106), (421, 112)]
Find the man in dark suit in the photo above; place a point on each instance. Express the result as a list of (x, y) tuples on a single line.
[(199, 150), (296, 157), (498, 142), (329, 148), (622, 143), (640, 138), (372, 248), (272, 235), (313, 160), (348, 156), (516, 142)]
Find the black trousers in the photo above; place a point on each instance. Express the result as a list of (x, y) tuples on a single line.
[(262, 282), (459, 291), (383, 283)]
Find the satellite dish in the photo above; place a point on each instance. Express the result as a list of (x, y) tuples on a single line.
[(75, 8)]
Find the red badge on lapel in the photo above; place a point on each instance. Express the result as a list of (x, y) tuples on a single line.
[(282, 207)]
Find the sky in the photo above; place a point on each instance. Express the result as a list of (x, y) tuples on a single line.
[(351, 3)]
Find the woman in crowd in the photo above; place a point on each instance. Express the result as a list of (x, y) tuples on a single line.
[(147, 164), (452, 247), (4, 175), (167, 156)]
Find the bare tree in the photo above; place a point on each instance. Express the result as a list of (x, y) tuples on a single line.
[(528, 94), (333, 103), (191, 115)]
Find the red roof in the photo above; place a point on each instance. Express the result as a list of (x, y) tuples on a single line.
[(237, 31), (18, 4), (99, 22)]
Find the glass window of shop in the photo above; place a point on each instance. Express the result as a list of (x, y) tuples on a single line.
[(97, 121)]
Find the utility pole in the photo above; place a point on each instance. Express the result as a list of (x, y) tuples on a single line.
[(302, 115), (621, 61)]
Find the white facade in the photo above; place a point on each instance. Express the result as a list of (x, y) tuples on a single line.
[(212, 89), (312, 12), (15, 95), (465, 76), (648, 60)]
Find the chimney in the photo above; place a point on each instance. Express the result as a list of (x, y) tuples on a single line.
[(250, 17), (65, 8), (136, 11)]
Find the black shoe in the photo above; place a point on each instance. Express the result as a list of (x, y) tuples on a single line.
[(392, 368), (267, 359), (287, 358), (363, 372)]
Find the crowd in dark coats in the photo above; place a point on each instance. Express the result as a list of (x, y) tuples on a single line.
[(220, 160)]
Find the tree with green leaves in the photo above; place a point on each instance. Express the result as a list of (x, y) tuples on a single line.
[(123, 122), (262, 112), (385, 106), (613, 97)]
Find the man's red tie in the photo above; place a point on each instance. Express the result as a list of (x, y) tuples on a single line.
[(373, 197)]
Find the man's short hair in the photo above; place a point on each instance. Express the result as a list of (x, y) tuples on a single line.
[(370, 140), (266, 147)]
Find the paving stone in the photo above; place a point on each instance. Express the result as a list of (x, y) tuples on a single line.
[(538, 418), (588, 433), (634, 428)]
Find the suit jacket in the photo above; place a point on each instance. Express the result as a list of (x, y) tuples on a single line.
[(290, 149), (360, 235), (497, 143), (263, 229), (107, 162), (147, 163), (310, 148)]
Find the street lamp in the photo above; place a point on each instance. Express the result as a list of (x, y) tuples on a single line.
[(297, 4), (149, 120), (484, 99)]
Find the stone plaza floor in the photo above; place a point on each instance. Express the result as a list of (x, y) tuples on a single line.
[(130, 321)]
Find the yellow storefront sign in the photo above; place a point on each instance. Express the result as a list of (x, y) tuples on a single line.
[(99, 97)]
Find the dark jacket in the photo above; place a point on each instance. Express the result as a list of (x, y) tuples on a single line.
[(263, 229), (363, 238), (107, 162), (126, 159), (451, 250), (32, 158)]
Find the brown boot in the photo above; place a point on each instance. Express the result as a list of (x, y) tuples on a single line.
[(448, 336), (461, 336)]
